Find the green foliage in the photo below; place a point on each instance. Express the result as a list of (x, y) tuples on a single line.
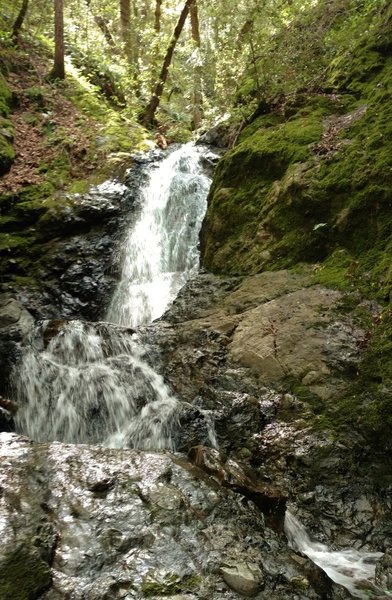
[(5, 97)]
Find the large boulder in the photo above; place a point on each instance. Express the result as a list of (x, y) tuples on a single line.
[(89, 522)]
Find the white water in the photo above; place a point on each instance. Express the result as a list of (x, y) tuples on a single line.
[(92, 383), (353, 569), (161, 249)]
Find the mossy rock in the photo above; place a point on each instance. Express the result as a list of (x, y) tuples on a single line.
[(11, 242), (23, 575), (288, 204), (7, 153), (5, 97), (168, 584)]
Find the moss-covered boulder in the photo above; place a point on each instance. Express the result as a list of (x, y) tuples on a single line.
[(7, 154), (313, 171), (23, 575)]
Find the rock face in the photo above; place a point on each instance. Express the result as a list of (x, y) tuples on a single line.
[(15, 325), (88, 522), (57, 256), (306, 183), (269, 358), (98, 523)]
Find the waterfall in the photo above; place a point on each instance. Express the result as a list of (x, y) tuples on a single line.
[(353, 569), (91, 383), (161, 249)]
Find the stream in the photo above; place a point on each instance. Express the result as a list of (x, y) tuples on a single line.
[(93, 383), (353, 569)]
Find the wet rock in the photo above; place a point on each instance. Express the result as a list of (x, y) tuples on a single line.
[(188, 521), (270, 501), (244, 578), (154, 527), (193, 428), (15, 321), (221, 135), (217, 345), (8, 405), (52, 329), (15, 325), (292, 336), (199, 295), (27, 538), (384, 571)]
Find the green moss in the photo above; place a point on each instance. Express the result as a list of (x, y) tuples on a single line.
[(79, 187), (272, 149), (10, 242), (23, 575), (168, 585), (5, 97), (246, 190), (288, 201), (337, 271), (118, 132), (377, 363), (7, 153)]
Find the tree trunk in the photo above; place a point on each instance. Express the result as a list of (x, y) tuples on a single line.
[(155, 44), (19, 21), (58, 71), (149, 113), (245, 29), (157, 16), (197, 71), (125, 18), (103, 26)]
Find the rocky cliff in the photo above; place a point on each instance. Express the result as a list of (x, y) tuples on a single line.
[(309, 183)]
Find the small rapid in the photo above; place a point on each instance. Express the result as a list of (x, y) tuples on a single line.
[(93, 382), (353, 569)]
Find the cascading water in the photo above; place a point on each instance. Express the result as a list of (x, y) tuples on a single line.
[(91, 383), (161, 250), (353, 569)]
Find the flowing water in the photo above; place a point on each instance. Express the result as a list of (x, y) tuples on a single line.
[(91, 383), (161, 249), (353, 569)]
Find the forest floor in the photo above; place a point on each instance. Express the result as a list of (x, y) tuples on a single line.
[(63, 131), (45, 123)]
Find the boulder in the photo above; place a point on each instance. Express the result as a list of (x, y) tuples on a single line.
[(106, 524)]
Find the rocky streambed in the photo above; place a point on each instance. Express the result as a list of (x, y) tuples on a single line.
[(267, 359)]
